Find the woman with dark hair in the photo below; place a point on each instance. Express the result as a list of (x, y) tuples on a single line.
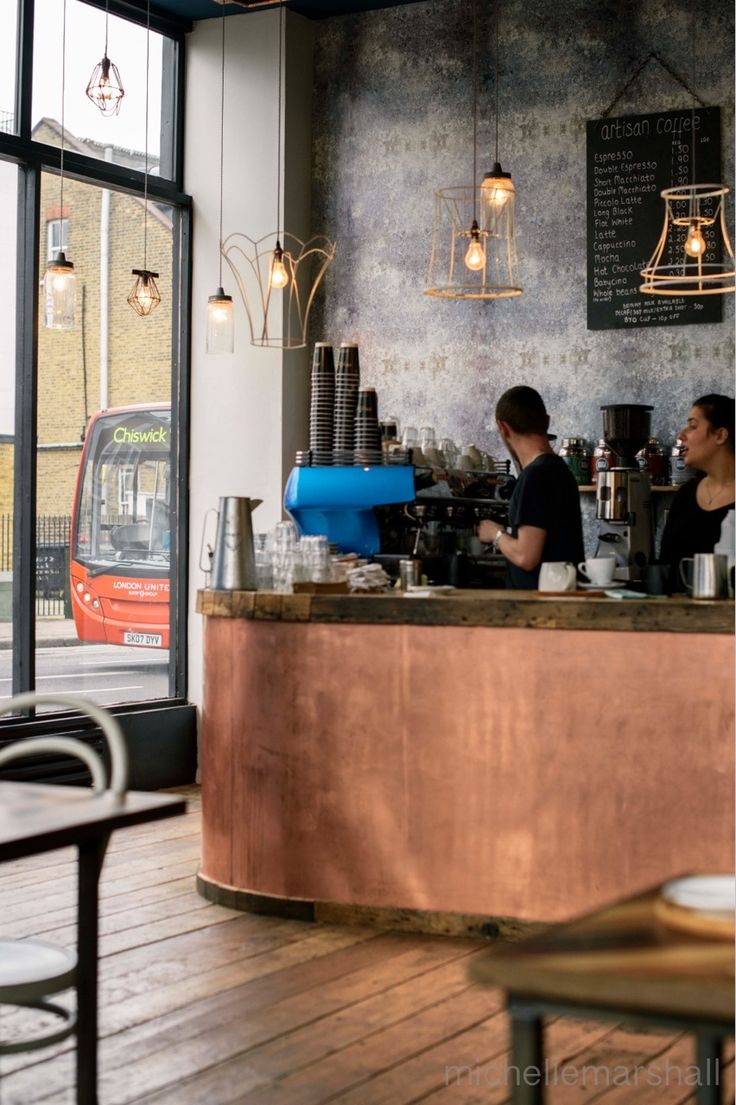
[(699, 507)]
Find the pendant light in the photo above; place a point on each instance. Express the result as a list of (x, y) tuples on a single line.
[(59, 282), (694, 255), (278, 275), (497, 186), (105, 88), (220, 320), (474, 239), (144, 296)]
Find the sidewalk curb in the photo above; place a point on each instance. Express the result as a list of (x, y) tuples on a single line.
[(51, 642)]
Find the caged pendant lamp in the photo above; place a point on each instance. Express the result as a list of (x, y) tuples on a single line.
[(144, 295), (220, 320), (59, 282), (474, 235), (105, 88), (278, 275), (694, 255)]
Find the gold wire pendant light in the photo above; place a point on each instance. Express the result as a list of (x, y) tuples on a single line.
[(144, 296), (105, 88), (474, 234), (278, 275), (59, 282), (694, 255)]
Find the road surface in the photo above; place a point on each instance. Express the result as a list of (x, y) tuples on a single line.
[(107, 674)]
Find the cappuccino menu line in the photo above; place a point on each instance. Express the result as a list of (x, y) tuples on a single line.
[(629, 161)]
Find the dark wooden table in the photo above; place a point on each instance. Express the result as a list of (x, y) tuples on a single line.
[(621, 963), (36, 819)]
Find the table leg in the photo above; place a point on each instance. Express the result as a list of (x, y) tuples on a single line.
[(709, 1057), (526, 1079), (91, 857)]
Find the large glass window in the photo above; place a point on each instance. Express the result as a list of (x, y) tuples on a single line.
[(104, 484), (8, 222), (92, 411), (118, 138)]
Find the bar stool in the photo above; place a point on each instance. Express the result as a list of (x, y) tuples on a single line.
[(32, 970)]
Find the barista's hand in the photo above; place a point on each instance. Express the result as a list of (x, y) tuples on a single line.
[(488, 529)]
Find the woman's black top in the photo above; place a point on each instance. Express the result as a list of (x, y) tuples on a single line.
[(689, 529)]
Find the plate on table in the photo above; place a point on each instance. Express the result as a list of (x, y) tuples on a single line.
[(703, 905), (602, 586)]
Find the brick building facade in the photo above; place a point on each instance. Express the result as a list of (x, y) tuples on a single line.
[(70, 362)]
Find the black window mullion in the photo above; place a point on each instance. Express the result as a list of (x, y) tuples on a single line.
[(24, 69), (180, 412), (26, 411)]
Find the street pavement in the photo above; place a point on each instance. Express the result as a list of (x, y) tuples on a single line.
[(107, 674)]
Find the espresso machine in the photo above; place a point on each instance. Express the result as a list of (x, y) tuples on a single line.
[(394, 512), (623, 506)]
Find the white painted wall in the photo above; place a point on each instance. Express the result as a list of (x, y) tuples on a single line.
[(249, 409)]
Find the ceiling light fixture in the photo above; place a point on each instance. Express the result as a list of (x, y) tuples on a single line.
[(59, 282), (105, 88), (474, 237), (220, 321), (694, 255), (278, 275), (144, 296)]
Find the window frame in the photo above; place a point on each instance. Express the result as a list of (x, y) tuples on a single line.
[(33, 158)]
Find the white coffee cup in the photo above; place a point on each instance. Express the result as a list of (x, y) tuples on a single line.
[(598, 569), (557, 575)]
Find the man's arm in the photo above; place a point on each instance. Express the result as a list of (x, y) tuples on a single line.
[(525, 550)]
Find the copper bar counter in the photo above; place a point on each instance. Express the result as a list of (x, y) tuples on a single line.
[(488, 754)]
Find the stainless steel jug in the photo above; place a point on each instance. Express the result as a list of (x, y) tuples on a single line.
[(709, 578), (233, 563)]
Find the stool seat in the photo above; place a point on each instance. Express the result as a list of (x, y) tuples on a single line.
[(30, 970)]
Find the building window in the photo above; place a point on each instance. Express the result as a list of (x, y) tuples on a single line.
[(57, 237)]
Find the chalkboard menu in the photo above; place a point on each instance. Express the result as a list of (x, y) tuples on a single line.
[(630, 160)]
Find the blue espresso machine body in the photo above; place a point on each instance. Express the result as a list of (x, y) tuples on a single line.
[(339, 501)]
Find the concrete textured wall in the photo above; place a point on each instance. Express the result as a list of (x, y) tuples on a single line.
[(393, 122)]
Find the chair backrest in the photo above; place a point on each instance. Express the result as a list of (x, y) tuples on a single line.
[(69, 745)]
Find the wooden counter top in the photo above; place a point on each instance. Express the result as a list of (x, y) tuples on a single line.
[(520, 609)]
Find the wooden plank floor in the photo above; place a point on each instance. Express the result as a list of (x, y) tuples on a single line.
[(206, 1006)]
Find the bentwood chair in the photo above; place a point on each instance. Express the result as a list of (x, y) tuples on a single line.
[(32, 970)]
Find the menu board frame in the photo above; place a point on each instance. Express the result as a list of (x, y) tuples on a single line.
[(630, 159)]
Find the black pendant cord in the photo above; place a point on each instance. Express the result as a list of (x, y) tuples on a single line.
[(63, 100), (107, 18), (145, 173), (278, 135), (475, 110), (692, 115), (497, 82), (222, 135)]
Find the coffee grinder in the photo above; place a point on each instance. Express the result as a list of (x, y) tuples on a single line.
[(623, 504)]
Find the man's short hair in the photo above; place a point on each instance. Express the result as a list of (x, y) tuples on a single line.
[(524, 410)]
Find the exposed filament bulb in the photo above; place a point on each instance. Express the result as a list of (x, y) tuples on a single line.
[(475, 257), (278, 277)]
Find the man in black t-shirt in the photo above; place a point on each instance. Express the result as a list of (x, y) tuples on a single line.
[(544, 511)]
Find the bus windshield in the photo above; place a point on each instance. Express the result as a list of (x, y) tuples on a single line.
[(124, 495)]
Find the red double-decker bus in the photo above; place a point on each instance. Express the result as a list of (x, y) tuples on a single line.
[(120, 535)]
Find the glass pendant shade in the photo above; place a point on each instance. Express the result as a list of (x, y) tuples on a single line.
[(144, 296), (220, 323), (105, 88), (497, 188), (694, 255), (473, 246), (59, 294)]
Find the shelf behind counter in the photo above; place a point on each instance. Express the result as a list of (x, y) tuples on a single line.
[(520, 609)]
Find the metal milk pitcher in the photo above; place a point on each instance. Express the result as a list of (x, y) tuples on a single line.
[(233, 563)]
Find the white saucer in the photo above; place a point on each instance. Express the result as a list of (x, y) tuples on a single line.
[(601, 586), (704, 893)]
